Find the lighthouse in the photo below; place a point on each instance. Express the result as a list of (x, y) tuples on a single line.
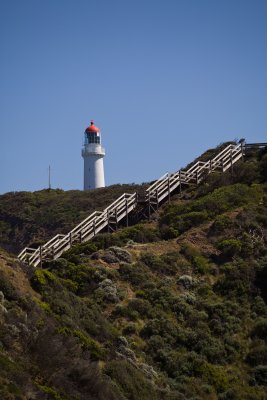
[(93, 154)]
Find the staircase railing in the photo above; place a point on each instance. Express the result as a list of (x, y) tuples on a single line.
[(156, 193), (84, 231)]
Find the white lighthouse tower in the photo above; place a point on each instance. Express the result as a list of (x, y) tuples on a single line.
[(93, 154)]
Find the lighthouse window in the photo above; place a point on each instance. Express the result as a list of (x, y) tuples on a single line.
[(93, 138)]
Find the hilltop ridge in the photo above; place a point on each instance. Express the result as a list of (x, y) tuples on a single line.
[(29, 218)]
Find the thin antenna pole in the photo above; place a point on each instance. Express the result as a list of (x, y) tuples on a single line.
[(49, 177)]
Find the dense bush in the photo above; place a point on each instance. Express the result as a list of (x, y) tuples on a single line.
[(221, 224), (137, 274), (260, 329), (161, 264), (132, 383), (238, 279), (181, 217), (260, 374), (261, 277), (87, 343), (182, 223), (201, 264), (257, 354), (138, 233), (7, 288), (41, 278), (230, 247)]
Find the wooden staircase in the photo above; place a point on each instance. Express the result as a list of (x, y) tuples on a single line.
[(157, 193)]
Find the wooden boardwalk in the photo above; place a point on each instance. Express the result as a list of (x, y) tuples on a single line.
[(120, 210)]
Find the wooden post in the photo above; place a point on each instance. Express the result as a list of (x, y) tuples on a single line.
[(180, 188), (41, 256), (80, 234), (126, 209), (116, 218), (108, 221), (242, 148), (149, 206), (169, 188), (94, 226), (70, 239), (232, 169), (157, 197)]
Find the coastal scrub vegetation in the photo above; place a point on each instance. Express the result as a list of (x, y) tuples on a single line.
[(172, 309)]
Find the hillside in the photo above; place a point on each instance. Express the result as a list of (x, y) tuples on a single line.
[(171, 309), (29, 218)]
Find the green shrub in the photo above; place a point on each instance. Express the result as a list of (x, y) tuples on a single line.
[(160, 298), (158, 264), (221, 224), (230, 247), (164, 327), (51, 392), (96, 351), (259, 306), (70, 285), (181, 223), (126, 312), (215, 376), (131, 381), (168, 232), (81, 278), (7, 288), (259, 330), (182, 363), (7, 365), (201, 264), (174, 262), (41, 278), (181, 217), (248, 246), (261, 278), (130, 329), (73, 254), (237, 280), (138, 233), (122, 254), (44, 306), (257, 354), (260, 374), (142, 306), (189, 251), (137, 274), (246, 173)]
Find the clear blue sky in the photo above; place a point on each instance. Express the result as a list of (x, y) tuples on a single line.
[(163, 79)]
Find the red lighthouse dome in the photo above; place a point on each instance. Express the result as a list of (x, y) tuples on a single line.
[(92, 128)]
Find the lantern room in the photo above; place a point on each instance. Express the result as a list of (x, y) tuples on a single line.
[(92, 134)]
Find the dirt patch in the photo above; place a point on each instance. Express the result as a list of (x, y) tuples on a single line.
[(12, 269), (162, 247), (198, 237)]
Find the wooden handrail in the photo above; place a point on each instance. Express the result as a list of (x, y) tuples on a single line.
[(121, 207)]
